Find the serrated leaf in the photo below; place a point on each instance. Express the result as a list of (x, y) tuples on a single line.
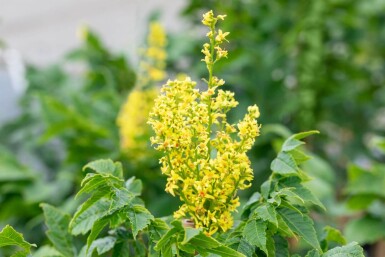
[(139, 217), (290, 144), (98, 206), (157, 229), (84, 219), (101, 245), (134, 185), (57, 223), (245, 248), (9, 236), (267, 213), (350, 250), (334, 235), (96, 229), (164, 241), (284, 164), (101, 183), (302, 225), (255, 233), (283, 228), (106, 166), (301, 191)]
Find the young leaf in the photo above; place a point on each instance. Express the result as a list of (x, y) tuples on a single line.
[(284, 164), (267, 213), (255, 233), (84, 219), (57, 223), (139, 217), (351, 250), (334, 235), (157, 229), (9, 236), (134, 186), (101, 245), (96, 229), (106, 166), (313, 253), (302, 225)]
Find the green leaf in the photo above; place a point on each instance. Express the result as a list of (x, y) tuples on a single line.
[(334, 235), (302, 225), (84, 219), (98, 206), (313, 253), (245, 248), (252, 200), (196, 238), (225, 251), (9, 236), (255, 233), (47, 251), (350, 250), (284, 164), (100, 183), (102, 245), (283, 228), (157, 229), (57, 223), (365, 230), (134, 186), (106, 166), (121, 249), (96, 229), (294, 141), (281, 247), (139, 217), (300, 190), (267, 213)]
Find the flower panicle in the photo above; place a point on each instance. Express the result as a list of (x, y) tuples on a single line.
[(132, 119), (205, 157)]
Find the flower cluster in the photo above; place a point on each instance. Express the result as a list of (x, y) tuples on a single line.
[(204, 155), (132, 119), (154, 56)]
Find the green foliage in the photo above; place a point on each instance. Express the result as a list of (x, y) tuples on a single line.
[(65, 120), (282, 210), (315, 64), (10, 237)]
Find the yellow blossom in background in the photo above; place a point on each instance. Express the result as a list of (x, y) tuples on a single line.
[(132, 119), (205, 157), (153, 64)]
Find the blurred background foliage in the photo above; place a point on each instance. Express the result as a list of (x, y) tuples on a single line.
[(307, 64), (317, 64)]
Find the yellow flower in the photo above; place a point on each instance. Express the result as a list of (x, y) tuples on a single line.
[(204, 156), (132, 119)]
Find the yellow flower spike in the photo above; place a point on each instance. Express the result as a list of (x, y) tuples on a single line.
[(132, 119), (205, 156)]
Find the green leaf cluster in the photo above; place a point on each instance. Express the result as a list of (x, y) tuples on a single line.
[(282, 210)]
